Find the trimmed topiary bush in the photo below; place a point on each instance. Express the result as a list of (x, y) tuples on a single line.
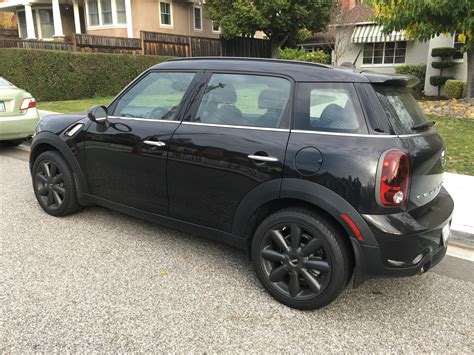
[(454, 89), (442, 65), (55, 75), (443, 52), (416, 70), (299, 54), (438, 80)]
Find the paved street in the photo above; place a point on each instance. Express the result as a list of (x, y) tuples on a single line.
[(102, 281)]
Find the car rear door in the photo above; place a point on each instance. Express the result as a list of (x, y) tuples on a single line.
[(232, 140), (125, 158)]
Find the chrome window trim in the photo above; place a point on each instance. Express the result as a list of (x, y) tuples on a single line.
[(235, 126), (143, 119), (362, 135)]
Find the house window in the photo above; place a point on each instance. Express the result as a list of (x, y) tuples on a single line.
[(197, 18), (106, 12), (22, 24), (385, 53), (215, 27), (46, 23), (459, 55), (165, 13), (121, 12), (93, 10)]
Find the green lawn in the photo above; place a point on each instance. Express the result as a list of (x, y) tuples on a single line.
[(74, 105), (458, 134)]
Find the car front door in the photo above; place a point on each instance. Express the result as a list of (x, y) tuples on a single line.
[(126, 156), (232, 140)]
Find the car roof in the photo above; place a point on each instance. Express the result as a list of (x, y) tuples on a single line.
[(297, 70)]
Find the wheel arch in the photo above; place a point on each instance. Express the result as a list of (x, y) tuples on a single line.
[(47, 141)]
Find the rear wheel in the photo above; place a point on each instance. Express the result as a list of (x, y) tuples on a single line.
[(300, 259), (53, 184)]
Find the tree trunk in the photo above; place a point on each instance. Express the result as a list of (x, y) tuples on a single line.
[(470, 72), (276, 44)]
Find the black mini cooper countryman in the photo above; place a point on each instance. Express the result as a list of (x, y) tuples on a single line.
[(322, 174)]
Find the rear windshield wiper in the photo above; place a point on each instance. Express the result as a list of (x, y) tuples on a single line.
[(423, 125)]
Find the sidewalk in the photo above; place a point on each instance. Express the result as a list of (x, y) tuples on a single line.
[(460, 188)]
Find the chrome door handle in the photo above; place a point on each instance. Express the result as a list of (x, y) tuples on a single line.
[(262, 158), (155, 144)]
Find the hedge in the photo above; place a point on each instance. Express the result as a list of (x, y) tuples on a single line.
[(455, 89), (443, 52), (416, 70), (56, 75), (317, 56), (442, 65)]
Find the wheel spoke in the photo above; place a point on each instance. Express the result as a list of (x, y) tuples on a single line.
[(295, 236), (313, 245), (272, 255), (58, 178), (41, 178), (54, 169), (278, 274), (313, 284), (46, 170), (50, 198), (294, 287), (60, 190), (43, 191), (57, 198), (319, 265), (278, 238)]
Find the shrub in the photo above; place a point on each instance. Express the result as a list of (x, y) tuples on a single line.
[(416, 70), (56, 75), (443, 52), (442, 65), (438, 80), (455, 89), (317, 56)]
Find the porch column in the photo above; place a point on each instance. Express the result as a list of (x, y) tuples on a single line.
[(58, 26), (128, 12), (30, 25), (77, 17)]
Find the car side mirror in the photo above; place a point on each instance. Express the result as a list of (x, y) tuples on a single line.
[(97, 114)]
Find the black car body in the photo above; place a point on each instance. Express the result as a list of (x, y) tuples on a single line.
[(353, 149)]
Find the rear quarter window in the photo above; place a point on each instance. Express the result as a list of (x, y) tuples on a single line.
[(329, 107), (401, 108)]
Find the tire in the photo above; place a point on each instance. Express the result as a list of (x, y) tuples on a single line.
[(300, 258), (53, 184)]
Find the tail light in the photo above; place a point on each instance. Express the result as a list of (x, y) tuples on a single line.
[(27, 103), (395, 172)]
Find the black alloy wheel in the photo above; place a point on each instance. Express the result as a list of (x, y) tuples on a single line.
[(50, 185), (301, 258), (53, 184)]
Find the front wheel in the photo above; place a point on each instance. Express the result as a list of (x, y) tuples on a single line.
[(53, 184), (300, 259)]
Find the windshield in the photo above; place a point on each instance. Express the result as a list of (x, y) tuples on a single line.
[(402, 109), (3, 82)]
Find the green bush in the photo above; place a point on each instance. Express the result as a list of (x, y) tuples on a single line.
[(443, 52), (438, 80), (416, 70), (55, 75), (442, 65), (455, 89), (317, 56)]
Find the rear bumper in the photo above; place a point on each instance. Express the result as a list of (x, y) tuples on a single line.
[(407, 243), (20, 126)]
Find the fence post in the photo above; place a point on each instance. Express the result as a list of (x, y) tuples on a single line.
[(142, 42), (74, 42), (190, 46)]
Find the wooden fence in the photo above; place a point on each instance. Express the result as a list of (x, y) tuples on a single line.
[(5, 32), (152, 43)]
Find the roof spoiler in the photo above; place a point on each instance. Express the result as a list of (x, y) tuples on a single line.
[(391, 79)]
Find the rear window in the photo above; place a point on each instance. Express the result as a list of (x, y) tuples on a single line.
[(331, 107), (401, 107), (3, 82)]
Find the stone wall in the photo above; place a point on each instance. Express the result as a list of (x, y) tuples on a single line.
[(454, 108)]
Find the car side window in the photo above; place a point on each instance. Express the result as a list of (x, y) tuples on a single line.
[(156, 96), (245, 100), (332, 107)]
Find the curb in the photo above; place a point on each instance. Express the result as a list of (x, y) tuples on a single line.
[(462, 239)]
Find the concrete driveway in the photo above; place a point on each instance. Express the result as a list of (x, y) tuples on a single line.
[(102, 281)]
